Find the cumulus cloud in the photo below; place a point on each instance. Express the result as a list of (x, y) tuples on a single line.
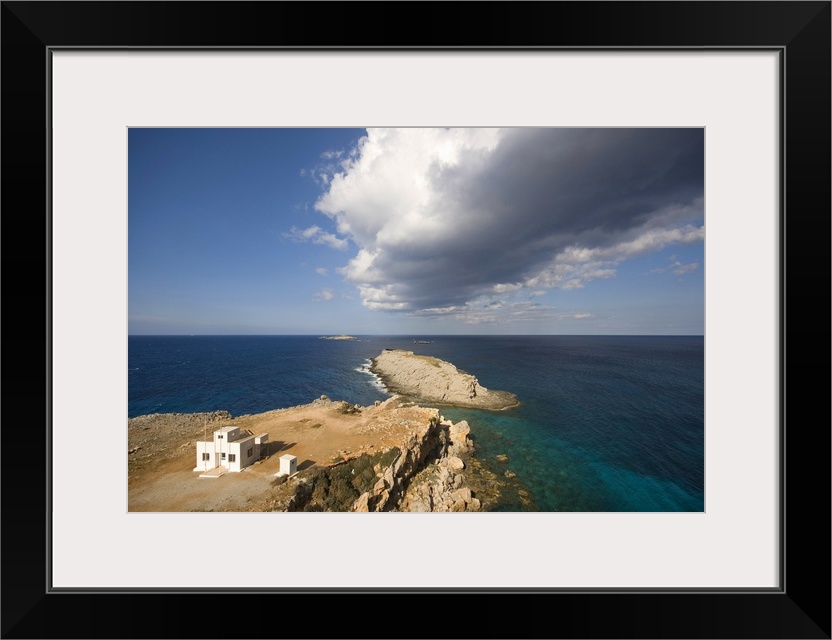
[(317, 235), (442, 217), (324, 295)]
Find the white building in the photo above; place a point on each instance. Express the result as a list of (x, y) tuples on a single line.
[(231, 449), (288, 465)]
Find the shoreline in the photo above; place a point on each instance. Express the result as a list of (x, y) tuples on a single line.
[(429, 380), (403, 457)]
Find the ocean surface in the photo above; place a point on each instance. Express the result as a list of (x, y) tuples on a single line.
[(605, 424)]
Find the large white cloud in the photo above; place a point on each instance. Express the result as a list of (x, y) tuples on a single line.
[(445, 217)]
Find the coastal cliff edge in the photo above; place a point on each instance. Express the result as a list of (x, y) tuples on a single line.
[(390, 456)]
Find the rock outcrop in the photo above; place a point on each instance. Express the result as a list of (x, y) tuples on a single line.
[(391, 456), (430, 380), (432, 453), (424, 473)]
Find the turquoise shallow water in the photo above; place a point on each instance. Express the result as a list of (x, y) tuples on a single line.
[(606, 423)]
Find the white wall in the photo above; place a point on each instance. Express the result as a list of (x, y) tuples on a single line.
[(218, 447), (202, 465), (233, 448), (240, 449)]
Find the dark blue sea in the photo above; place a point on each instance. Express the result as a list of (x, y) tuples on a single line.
[(606, 423)]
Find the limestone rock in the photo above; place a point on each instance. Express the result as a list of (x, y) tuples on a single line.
[(457, 506), (382, 500), (362, 504), (463, 494), (429, 379), (458, 433)]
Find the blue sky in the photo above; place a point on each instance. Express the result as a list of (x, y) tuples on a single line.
[(416, 231)]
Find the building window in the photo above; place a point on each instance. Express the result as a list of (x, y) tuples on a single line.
[(223, 455), (250, 451), (232, 457), (206, 456), (219, 437)]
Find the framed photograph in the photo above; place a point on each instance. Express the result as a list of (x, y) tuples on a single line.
[(98, 96)]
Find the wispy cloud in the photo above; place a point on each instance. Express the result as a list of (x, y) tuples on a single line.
[(317, 235), (573, 267), (489, 311), (680, 269), (321, 271), (677, 268), (324, 295)]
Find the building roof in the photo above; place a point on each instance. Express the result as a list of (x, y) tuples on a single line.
[(242, 440), (227, 429), (288, 456)]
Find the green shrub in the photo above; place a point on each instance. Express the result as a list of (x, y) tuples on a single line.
[(387, 458), (337, 488)]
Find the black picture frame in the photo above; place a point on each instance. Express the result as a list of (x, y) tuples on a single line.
[(799, 31)]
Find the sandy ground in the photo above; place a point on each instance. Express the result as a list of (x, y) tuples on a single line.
[(160, 467)]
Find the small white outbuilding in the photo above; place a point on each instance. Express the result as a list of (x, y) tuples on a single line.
[(288, 465), (230, 448)]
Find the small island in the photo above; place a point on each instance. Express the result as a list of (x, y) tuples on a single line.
[(339, 337), (428, 379)]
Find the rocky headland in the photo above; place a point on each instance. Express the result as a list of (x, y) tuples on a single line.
[(392, 456), (430, 380)]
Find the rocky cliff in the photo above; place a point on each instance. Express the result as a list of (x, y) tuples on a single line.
[(427, 379), (424, 472), (391, 456)]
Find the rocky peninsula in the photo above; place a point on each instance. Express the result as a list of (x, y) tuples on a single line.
[(391, 456), (430, 380)]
